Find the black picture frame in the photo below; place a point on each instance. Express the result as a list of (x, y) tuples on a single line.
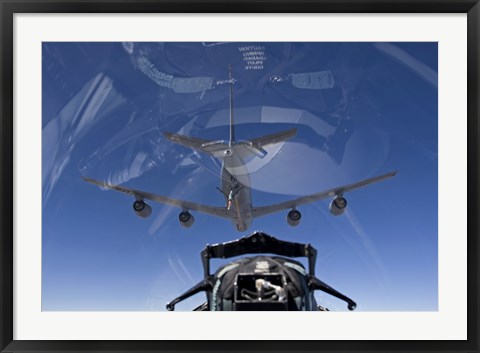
[(9, 7)]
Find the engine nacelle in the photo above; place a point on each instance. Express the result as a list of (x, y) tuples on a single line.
[(186, 219), (337, 206), (142, 209), (293, 217)]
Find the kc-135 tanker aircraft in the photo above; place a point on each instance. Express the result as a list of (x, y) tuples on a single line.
[(235, 182)]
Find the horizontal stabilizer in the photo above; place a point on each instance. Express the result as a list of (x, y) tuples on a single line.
[(220, 149), (271, 139), (198, 144)]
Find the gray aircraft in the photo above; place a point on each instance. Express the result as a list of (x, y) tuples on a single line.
[(235, 182)]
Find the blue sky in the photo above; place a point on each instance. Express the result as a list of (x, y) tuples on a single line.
[(361, 109)]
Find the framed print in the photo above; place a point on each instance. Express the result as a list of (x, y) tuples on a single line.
[(257, 161)]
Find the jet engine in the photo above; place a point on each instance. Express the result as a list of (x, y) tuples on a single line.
[(293, 217), (337, 206), (142, 209), (186, 219)]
